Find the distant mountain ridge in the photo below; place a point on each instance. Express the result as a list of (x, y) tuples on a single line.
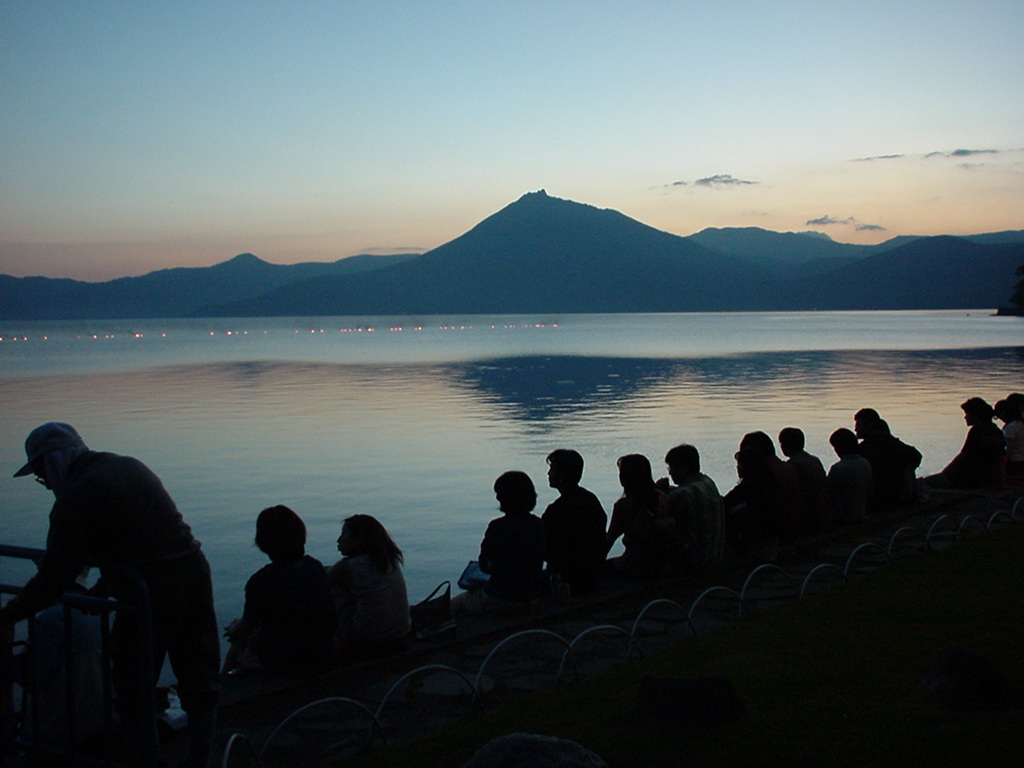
[(545, 254), (176, 292)]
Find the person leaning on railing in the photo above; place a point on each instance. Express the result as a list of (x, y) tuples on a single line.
[(115, 509)]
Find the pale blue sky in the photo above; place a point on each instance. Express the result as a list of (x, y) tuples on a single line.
[(141, 135)]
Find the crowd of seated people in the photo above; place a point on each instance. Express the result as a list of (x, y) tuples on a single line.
[(302, 618), (680, 524)]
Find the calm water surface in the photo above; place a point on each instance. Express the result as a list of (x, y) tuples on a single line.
[(411, 419)]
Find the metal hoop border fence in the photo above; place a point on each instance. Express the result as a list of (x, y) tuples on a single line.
[(954, 530)]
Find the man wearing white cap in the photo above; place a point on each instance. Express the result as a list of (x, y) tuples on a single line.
[(115, 509)]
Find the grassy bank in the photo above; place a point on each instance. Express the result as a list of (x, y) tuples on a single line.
[(830, 681)]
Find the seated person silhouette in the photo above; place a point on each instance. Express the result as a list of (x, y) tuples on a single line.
[(893, 462), (512, 552), (979, 463), (370, 592), (635, 517), (697, 512), (289, 619), (1009, 412), (849, 479), (787, 485), (811, 479), (756, 513), (574, 525)]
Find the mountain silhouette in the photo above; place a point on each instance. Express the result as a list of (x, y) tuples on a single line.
[(539, 254), (940, 272), (176, 292), (784, 248), (546, 254)]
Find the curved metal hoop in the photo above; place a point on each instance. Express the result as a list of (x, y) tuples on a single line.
[(865, 546), (996, 516), (240, 738), (374, 722), (658, 601), (710, 591), (968, 520), (427, 668), (759, 569), (509, 639), (814, 570), (613, 628), (895, 537), (932, 532), (1018, 505)]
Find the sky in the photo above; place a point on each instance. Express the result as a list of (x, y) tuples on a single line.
[(137, 136)]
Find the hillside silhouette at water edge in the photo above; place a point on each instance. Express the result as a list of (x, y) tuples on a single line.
[(545, 254)]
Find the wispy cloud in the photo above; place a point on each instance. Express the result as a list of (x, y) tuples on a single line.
[(851, 221), (718, 180), (963, 153), (670, 185), (969, 152), (876, 157), (722, 180), (825, 221)]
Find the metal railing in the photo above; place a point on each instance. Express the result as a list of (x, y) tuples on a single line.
[(133, 739)]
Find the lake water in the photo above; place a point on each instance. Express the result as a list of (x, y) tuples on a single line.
[(412, 419)]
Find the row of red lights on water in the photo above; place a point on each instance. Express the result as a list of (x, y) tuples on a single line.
[(87, 336), (358, 329)]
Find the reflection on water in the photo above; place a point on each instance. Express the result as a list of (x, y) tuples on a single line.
[(418, 443), (549, 389)]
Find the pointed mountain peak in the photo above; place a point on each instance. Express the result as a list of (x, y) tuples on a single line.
[(540, 200), (242, 262), (540, 193), (540, 206), (245, 259)]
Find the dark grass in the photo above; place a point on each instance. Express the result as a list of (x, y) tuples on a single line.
[(830, 681)]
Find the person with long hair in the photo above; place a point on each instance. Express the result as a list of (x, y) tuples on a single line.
[(289, 619), (1009, 412), (979, 463), (757, 509), (369, 590), (635, 518)]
